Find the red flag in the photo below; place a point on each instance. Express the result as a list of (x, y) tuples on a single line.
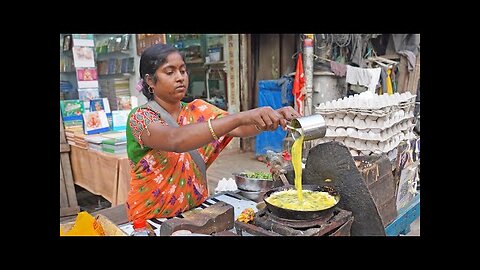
[(298, 84)]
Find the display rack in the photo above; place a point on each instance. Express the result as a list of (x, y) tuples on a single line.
[(68, 79), (115, 55), (143, 41)]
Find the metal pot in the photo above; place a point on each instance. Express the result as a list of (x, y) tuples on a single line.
[(297, 214), (253, 184)]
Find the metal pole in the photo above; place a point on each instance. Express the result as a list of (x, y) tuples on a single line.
[(308, 51), (207, 77)]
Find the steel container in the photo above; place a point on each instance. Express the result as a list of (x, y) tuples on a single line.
[(252, 184), (312, 127)]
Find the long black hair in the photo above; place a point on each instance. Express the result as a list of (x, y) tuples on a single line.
[(151, 59)]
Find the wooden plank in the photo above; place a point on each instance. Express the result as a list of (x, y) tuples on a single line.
[(253, 91), (68, 197), (69, 211), (69, 186), (402, 75), (233, 73), (388, 211), (390, 56), (63, 139), (64, 147), (244, 84), (381, 184), (269, 57), (287, 49), (245, 143), (63, 192), (251, 73), (117, 214), (383, 190), (414, 77), (265, 63), (383, 59)]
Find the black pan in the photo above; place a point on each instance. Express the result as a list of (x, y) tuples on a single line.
[(297, 214)]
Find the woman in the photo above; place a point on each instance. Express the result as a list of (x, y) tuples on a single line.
[(170, 143)]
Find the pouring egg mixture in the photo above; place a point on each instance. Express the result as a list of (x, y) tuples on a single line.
[(303, 200)]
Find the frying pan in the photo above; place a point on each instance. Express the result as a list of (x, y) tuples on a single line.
[(298, 214)]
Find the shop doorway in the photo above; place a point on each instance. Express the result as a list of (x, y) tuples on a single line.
[(204, 56)]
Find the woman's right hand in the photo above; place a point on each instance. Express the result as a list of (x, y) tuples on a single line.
[(265, 118)]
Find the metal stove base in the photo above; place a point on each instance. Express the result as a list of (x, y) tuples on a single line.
[(264, 225)]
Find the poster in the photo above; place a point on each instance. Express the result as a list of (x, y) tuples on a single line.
[(95, 122), (88, 94), (83, 40), (83, 57), (87, 78), (71, 107), (100, 104), (124, 103), (120, 119)]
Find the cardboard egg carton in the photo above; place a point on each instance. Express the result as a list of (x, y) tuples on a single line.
[(366, 104), (368, 133), (362, 146), (330, 110), (368, 123), (362, 121)]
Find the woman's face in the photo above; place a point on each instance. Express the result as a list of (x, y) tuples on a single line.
[(172, 79)]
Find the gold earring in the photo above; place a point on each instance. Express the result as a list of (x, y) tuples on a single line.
[(150, 90)]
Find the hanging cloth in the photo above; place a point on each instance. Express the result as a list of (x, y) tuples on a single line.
[(298, 85), (368, 77), (389, 82), (383, 75)]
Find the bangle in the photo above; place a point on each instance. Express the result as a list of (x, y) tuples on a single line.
[(211, 130)]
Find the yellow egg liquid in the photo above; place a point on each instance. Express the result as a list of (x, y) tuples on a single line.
[(297, 165), (312, 200)]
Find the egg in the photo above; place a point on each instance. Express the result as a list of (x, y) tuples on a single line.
[(340, 132), (352, 132)]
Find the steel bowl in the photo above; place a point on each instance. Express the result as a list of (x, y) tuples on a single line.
[(252, 184), (256, 196)]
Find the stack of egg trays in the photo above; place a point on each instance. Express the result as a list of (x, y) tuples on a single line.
[(370, 131)]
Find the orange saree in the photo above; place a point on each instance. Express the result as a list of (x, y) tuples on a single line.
[(165, 184)]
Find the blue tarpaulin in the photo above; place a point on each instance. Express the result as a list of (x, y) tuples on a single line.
[(270, 94)]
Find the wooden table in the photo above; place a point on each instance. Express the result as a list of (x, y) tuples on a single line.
[(104, 174)]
